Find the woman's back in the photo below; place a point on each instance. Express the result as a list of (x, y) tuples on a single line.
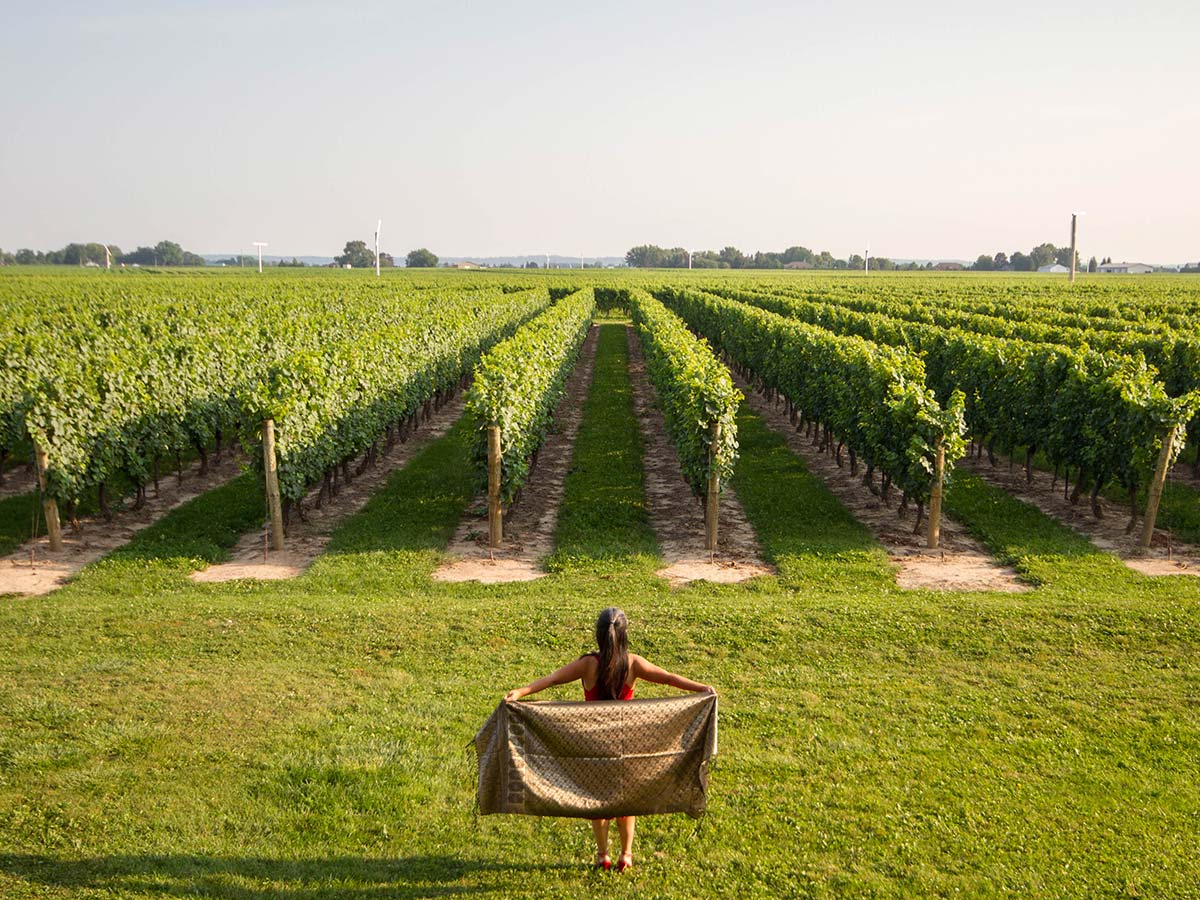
[(594, 692)]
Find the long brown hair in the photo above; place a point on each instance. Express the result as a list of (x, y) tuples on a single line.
[(611, 629)]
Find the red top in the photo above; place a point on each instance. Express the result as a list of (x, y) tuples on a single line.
[(594, 693)]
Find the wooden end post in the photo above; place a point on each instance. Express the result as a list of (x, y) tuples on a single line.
[(712, 497), (49, 504), (495, 513), (270, 466), (1156, 488), (935, 499)]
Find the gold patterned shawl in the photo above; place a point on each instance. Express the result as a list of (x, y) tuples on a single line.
[(598, 760)]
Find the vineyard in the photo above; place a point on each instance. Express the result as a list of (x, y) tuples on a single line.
[(890, 516), (106, 382)]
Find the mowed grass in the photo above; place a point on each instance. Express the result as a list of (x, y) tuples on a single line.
[(603, 526), (308, 739)]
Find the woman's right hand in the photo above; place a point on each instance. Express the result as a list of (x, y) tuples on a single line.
[(514, 694)]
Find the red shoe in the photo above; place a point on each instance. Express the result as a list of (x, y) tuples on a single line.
[(622, 865), (604, 864)]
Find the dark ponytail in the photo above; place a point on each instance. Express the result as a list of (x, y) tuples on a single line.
[(611, 630)]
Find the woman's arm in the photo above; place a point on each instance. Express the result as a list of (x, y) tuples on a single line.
[(572, 671), (649, 672)]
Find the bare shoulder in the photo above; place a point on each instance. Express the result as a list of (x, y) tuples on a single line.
[(638, 664)]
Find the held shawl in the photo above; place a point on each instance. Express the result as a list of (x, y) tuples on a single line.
[(598, 760)]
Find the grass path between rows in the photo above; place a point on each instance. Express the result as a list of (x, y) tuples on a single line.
[(603, 526), (307, 739)]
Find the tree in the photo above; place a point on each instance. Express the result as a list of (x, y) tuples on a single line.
[(733, 257), (531, 265), (1092, 264), (1063, 257), (357, 255), (1021, 263), (646, 256), (985, 263), (1044, 255), (1000, 261), (855, 262), (418, 259), (169, 253)]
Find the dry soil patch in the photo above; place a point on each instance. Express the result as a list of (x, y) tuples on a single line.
[(18, 480)]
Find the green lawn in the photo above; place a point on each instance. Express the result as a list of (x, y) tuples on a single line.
[(308, 739)]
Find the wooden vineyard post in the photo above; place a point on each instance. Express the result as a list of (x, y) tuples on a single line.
[(1156, 489), (49, 504), (935, 499), (712, 497), (495, 513), (270, 466)]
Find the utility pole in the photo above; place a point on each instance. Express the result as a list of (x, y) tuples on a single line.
[(378, 228), (867, 261), (1074, 216), (260, 245)]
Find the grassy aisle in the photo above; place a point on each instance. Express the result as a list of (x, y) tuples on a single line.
[(803, 529), (307, 739), (603, 527)]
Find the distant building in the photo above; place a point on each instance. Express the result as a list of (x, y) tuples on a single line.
[(467, 264), (799, 264), (1054, 268), (949, 267), (1126, 268)]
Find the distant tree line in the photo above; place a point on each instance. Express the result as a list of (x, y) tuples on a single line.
[(650, 256), (1041, 255), (164, 253)]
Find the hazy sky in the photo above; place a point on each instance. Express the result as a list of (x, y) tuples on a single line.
[(927, 130)]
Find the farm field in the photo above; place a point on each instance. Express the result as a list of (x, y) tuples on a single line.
[(1016, 713)]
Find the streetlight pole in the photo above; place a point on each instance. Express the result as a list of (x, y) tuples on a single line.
[(260, 245)]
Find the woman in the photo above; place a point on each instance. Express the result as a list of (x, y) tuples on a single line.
[(610, 674)]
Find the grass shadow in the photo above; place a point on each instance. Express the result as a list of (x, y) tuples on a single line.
[(241, 878)]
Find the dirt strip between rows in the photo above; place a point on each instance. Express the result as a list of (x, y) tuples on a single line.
[(961, 563), (529, 524), (18, 480), (676, 514), (33, 569), (307, 538), (1165, 556)]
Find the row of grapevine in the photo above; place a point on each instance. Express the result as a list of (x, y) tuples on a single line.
[(698, 399), (110, 384), (869, 397), (1103, 415), (517, 386), (1106, 304), (1175, 355)]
